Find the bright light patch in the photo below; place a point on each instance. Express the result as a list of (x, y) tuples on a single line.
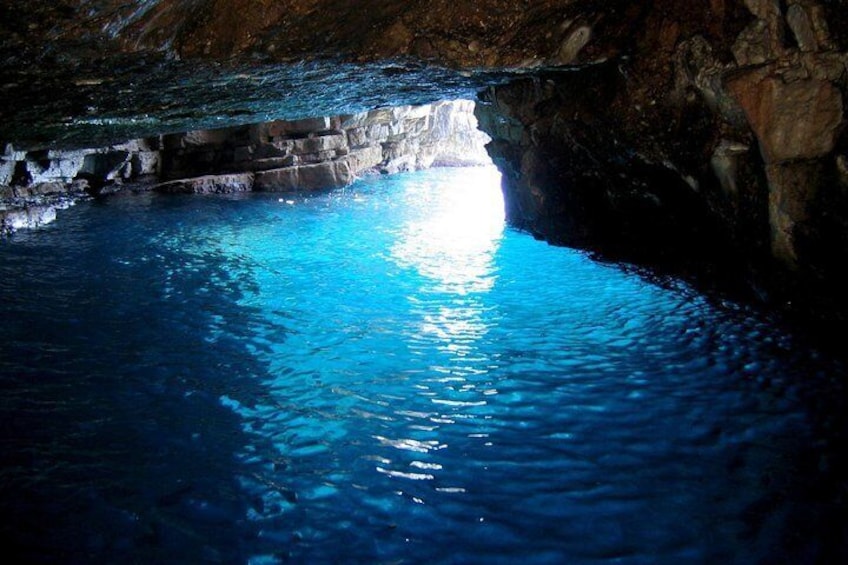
[(455, 241), (452, 243), (472, 215)]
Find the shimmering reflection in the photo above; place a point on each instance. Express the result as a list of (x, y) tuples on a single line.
[(359, 378), (454, 242), (478, 394), (453, 247)]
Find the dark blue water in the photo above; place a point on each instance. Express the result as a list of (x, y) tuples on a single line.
[(386, 374)]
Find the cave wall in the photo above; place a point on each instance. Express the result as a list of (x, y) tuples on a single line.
[(327, 152), (720, 142), (278, 156)]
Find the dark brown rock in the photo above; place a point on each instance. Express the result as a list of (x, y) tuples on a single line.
[(793, 190), (796, 111), (792, 119)]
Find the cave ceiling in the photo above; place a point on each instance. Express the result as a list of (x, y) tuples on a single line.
[(89, 72)]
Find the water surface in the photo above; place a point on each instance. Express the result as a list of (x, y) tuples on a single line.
[(388, 374)]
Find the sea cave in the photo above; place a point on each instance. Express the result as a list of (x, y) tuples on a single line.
[(554, 281)]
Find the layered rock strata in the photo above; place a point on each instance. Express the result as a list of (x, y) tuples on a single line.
[(328, 152), (34, 184), (280, 156)]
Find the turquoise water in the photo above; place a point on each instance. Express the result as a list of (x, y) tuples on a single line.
[(388, 374)]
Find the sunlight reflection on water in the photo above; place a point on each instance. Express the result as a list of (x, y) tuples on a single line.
[(386, 373), (454, 244), (453, 247)]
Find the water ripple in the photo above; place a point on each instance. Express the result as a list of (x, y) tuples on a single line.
[(381, 375)]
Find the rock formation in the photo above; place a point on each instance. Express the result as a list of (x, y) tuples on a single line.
[(279, 156), (328, 152), (708, 148), (694, 135)]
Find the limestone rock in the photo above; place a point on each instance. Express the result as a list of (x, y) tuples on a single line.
[(757, 44), (39, 189), (802, 28), (393, 139), (7, 171), (796, 111), (332, 174), (763, 9), (573, 44), (724, 162), (58, 168), (145, 163), (287, 156), (365, 158), (807, 20), (298, 127), (107, 165), (792, 194), (271, 163), (329, 142), (197, 138), (26, 218), (269, 150), (357, 137), (278, 180)]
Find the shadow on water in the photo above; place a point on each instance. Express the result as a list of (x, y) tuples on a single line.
[(802, 514), (114, 440), (202, 380)]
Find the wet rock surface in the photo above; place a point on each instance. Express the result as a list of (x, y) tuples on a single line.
[(280, 156), (131, 69), (665, 132)]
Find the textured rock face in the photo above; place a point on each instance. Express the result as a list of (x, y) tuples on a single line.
[(704, 147), (329, 152), (570, 176), (279, 156), (708, 131), (209, 184), (34, 184), (26, 218)]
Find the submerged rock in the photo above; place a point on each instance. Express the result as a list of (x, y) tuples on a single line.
[(27, 217), (208, 184)]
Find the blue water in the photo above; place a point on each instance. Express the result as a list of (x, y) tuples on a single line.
[(388, 374)]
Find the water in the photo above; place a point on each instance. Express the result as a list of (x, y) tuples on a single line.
[(382, 375)]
